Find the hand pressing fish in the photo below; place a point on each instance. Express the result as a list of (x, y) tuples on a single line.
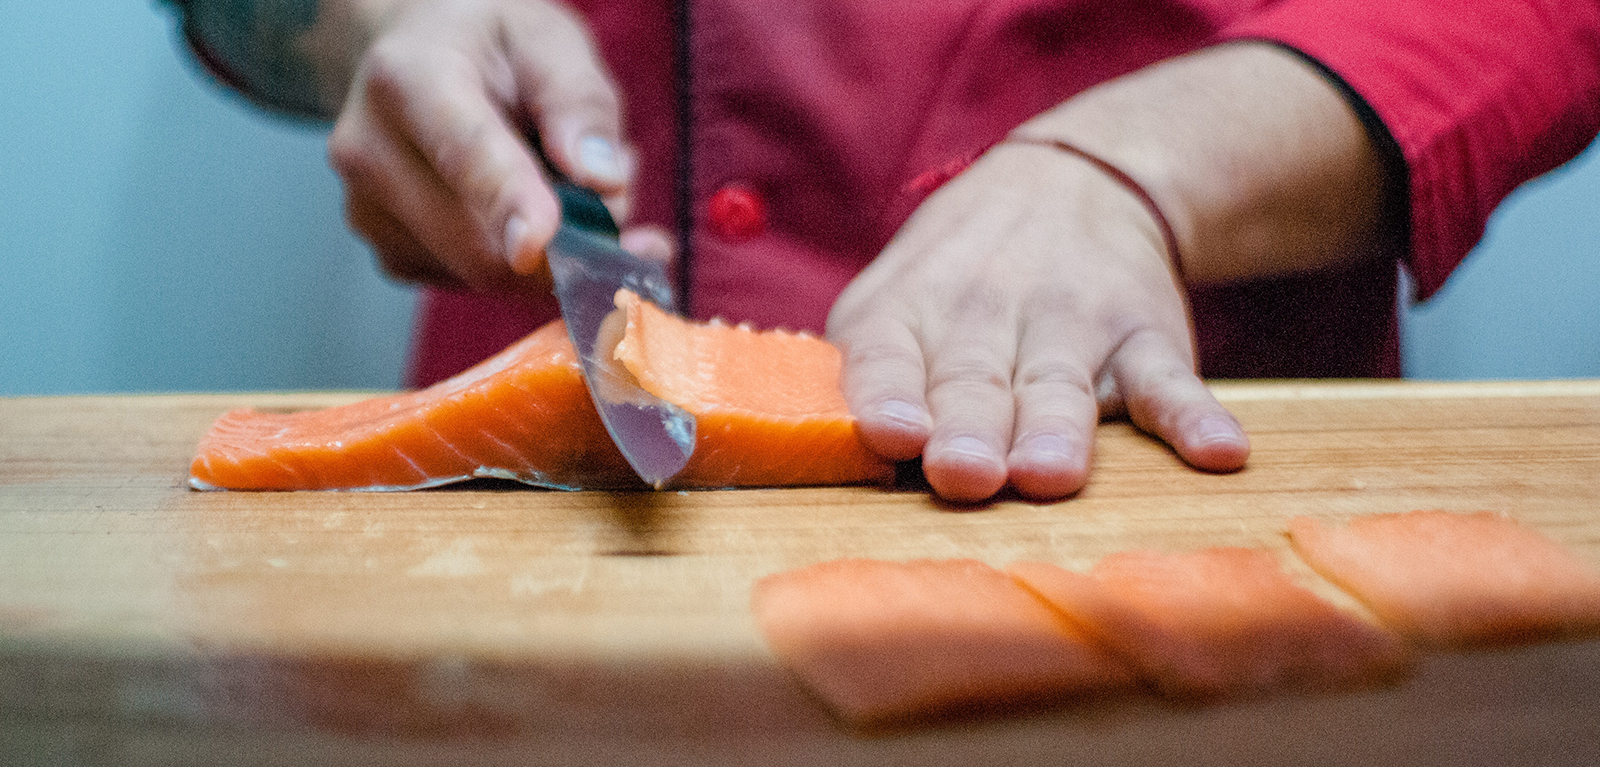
[(768, 407)]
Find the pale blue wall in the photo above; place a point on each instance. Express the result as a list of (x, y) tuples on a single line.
[(158, 235), (1526, 303)]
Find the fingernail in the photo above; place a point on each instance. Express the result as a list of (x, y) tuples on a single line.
[(903, 413), (1050, 447), (970, 447), (599, 157), (1217, 429), (516, 232)]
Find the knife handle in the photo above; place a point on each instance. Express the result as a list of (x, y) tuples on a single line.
[(581, 206)]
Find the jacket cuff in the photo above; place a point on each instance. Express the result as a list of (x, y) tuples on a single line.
[(1478, 99)]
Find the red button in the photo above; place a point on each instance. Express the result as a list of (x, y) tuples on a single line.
[(737, 213)]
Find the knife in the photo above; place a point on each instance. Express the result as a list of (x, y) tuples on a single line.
[(589, 266)]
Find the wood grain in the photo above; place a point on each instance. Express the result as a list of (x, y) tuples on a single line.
[(144, 623)]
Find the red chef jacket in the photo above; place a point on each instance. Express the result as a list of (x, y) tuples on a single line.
[(806, 121)]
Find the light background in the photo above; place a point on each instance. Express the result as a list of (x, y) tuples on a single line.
[(158, 235)]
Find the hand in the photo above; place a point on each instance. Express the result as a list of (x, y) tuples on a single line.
[(1023, 300), (433, 140)]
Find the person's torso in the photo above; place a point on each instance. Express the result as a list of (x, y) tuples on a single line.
[(805, 122)]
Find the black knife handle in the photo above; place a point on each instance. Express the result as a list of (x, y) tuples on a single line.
[(582, 208)]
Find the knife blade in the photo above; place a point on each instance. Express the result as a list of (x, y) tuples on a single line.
[(589, 266)]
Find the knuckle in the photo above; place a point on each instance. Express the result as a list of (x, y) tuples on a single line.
[(585, 92), (1058, 306), (875, 371), (1160, 361), (349, 152), (974, 301), (974, 372), (1053, 375), (1054, 296), (880, 354), (385, 71), (853, 312)]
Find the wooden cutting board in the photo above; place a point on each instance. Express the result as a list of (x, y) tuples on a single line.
[(144, 623)]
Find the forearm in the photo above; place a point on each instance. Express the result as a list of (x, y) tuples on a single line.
[(1259, 164), (294, 56)]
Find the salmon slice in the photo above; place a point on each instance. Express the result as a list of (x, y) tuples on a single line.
[(768, 405), (1456, 581), (1220, 622), (888, 642)]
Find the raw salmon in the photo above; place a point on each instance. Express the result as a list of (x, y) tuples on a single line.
[(768, 406), (1218, 622), (885, 642), (1456, 580)]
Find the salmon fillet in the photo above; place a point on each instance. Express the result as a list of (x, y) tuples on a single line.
[(1456, 581), (767, 403), (887, 642), (1219, 622)]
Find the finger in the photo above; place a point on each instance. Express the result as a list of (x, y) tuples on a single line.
[(451, 111), (1165, 398), (377, 166), (650, 242), (620, 204), (400, 254), (969, 396), (563, 86), (883, 379), (1056, 410)]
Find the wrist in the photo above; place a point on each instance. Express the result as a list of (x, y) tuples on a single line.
[(1123, 179), (1259, 166), (1103, 127)]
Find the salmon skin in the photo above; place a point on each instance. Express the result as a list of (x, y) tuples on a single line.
[(768, 404)]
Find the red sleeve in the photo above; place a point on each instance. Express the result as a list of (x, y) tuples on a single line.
[(1479, 96)]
